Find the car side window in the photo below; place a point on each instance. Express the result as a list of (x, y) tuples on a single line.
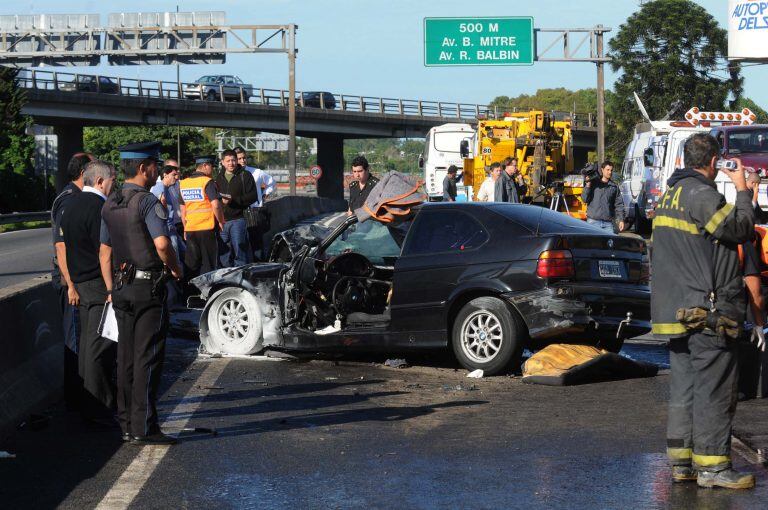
[(445, 231)]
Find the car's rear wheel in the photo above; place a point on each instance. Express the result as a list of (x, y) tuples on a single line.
[(234, 323), (487, 335)]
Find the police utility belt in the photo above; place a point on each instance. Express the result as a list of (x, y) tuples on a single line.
[(128, 273)]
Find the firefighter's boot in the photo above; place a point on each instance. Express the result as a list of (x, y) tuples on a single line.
[(727, 478), (684, 473)]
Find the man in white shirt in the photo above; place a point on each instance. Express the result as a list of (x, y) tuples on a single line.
[(486, 191), (265, 184)]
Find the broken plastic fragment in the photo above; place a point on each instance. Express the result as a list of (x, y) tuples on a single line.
[(396, 363), (330, 329), (476, 374)]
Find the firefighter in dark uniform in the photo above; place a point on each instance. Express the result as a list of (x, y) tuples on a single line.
[(362, 185), (136, 249), (698, 302)]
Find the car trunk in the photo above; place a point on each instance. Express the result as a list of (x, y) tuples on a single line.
[(606, 258)]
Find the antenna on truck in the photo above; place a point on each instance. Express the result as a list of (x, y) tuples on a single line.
[(642, 108)]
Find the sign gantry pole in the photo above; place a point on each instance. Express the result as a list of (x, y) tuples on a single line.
[(292, 108)]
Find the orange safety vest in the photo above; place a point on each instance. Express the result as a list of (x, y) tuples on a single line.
[(199, 211), (761, 244)]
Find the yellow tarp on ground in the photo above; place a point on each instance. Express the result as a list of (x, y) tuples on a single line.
[(565, 364), (556, 359)]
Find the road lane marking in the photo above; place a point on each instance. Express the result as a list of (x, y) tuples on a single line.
[(135, 476)]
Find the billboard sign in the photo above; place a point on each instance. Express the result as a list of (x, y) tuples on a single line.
[(747, 30)]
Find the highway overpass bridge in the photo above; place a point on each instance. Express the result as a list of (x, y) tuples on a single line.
[(68, 102)]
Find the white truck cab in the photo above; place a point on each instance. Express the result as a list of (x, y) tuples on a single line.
[(441, 150), (655, 152)]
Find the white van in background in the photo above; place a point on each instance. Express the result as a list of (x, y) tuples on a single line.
[(649, 161), (441, 150)]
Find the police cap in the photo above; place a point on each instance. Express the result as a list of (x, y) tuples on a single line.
[(145, 150), (201, 160)]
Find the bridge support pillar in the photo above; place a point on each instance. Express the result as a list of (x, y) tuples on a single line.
[(69, 142), (330, 157)]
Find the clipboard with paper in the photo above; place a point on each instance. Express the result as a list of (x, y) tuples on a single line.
[(108, 323)]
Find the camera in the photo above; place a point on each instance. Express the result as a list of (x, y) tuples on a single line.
[(591, 172), (726, 164)]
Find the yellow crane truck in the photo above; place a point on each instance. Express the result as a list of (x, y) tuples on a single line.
[(542, 146)]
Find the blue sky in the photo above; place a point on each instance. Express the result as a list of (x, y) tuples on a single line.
[(375, 48)]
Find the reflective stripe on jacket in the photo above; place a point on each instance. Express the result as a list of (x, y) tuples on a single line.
[(198, 207), (695, 251)]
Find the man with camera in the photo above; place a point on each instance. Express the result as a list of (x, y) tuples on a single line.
[(603, 199), (698, 303)]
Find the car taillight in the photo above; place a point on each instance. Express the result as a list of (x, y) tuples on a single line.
[(555, 264)]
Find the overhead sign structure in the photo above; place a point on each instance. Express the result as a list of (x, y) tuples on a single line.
[(747, 30), (506, 41)]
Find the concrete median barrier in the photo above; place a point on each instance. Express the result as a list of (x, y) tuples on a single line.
[(31, 351)]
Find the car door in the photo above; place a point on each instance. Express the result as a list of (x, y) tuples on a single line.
[(439, 246), (231, 88)]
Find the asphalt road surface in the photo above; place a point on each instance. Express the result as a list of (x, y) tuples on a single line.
[(24, 254), (352, 433)]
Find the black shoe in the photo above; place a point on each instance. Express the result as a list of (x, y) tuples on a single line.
[(158, 438)]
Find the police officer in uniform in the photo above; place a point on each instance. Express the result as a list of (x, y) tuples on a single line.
[(136, 249), (201, 213), (362, 185)]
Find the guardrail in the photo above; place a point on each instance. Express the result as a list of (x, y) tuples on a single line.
[(243, 93), (24, 216)]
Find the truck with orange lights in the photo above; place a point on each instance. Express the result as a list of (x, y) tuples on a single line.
[(655, 152)]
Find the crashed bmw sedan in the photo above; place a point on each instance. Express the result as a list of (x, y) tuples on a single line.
[(484, 279)]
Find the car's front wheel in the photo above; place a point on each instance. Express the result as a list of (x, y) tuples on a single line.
[(211, 96), (234, 323), (487, 335)]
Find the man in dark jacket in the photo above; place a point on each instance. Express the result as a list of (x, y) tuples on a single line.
[(449, 184), (698, 302), (603, 199), (81, 227), (238, 192), (509, 187)]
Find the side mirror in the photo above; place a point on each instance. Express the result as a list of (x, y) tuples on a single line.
[(648, 157), (464, 149), (421, 160)]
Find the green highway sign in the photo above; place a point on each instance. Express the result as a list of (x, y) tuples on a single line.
[(504, 41)]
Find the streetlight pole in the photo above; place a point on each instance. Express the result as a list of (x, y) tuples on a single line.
[(292, 108)]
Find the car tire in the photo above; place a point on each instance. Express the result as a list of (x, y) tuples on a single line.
[(211, 96), (234, 322), (487, 334)]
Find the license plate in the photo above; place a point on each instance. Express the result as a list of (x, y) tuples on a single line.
[(609, 268)]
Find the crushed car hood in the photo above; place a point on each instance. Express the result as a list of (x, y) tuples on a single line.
[(243, 276)]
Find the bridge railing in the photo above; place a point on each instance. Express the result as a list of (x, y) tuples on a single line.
[(72, 82)]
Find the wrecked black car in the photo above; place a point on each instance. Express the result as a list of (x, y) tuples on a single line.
[(485, 279)]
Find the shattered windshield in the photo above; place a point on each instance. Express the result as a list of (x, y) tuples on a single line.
[(370, 239)]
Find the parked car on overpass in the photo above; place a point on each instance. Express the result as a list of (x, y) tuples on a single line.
[(88, 83), (211, 87), (485, 279)]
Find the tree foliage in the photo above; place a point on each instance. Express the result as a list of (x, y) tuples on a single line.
[(673, 53), (560, 99), (20, 189), (760, 113), (103, 142)]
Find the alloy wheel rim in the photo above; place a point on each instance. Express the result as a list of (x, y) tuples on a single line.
[(481, 336), (233, 320)]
